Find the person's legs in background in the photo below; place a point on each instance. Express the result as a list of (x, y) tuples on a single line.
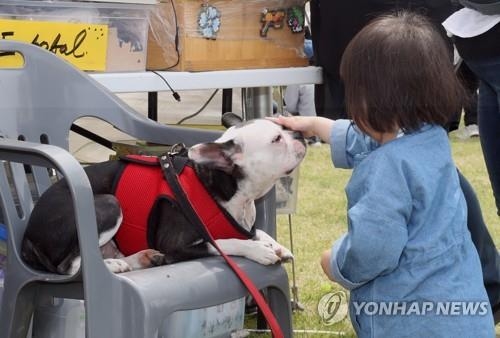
[(454, 122), (488, 72), (471, 84), (488, 254), (329, 98), (489, 119), (470, 117)]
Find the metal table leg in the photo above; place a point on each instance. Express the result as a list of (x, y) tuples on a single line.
[(258, 102), (153, 105)]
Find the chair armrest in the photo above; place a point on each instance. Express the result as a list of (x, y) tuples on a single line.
[(55, 157)]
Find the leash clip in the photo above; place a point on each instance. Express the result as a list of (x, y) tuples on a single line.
[(177, 149)]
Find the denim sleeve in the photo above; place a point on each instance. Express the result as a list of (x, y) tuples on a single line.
[(349, 146), (377, 233)]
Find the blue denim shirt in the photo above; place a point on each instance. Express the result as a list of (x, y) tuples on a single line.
[(407, 242)]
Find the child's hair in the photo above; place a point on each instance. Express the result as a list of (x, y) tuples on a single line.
[(398, 73)]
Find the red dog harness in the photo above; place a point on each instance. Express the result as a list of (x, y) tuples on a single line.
[(205, 214), (139, 187)]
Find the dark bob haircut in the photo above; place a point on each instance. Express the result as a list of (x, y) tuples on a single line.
[(398, 73)]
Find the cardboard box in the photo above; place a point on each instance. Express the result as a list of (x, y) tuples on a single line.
[(92, 36), (177, 40)]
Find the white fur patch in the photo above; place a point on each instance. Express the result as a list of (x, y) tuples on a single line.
[(106, 236), (257, 251), (117, 265), (75, 265)]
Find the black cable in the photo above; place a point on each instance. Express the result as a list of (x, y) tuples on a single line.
[(199, 110), (176, 95), (176, 36)]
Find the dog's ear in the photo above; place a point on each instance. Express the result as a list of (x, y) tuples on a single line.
[(217, 155)]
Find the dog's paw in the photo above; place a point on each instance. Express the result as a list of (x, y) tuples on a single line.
[(149, 258), (285, 255), (117, 265), (263, 253), (145, 259)]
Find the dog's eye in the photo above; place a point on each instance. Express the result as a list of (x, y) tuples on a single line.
[(277, 139)]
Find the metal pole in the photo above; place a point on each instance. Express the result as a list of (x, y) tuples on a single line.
[(258, 102), (295, 290)]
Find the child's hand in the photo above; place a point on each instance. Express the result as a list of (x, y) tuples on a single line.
[(308, 125), (304, 124)]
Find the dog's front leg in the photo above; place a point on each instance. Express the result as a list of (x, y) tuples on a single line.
[(144, 259), (285, 254), (258, 251), (116, 262)]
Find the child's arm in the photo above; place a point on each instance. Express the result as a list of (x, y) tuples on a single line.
[(348, 145), (308, 125), (366, 253), (378, 228)]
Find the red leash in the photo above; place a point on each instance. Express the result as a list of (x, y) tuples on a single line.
[(172, 179)]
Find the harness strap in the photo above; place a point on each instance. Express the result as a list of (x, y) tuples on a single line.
[(192, 216)]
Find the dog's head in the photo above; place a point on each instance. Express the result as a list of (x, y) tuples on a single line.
[(257, 153)]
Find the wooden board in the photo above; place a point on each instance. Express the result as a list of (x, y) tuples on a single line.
[(238, 45)]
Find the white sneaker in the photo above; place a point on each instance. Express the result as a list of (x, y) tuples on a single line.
[(472, 130)]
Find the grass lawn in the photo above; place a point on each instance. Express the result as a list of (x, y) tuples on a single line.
[(320, 219)]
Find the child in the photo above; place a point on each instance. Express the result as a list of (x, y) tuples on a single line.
[(407, 258)]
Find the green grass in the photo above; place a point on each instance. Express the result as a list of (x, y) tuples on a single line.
[(320, 219)]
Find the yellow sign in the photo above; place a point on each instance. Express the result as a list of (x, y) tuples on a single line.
[(84, 45)]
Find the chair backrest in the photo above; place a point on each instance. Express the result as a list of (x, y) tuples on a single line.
[(39, 103), (41, 100)]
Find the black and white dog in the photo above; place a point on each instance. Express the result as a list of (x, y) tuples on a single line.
[(236, 169)]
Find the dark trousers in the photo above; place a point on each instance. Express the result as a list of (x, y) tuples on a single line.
[(471, 84), (488, 253), (329, 98)]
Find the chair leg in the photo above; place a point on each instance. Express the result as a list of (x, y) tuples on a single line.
[(18, 307), (278, 297), (279, 302)]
